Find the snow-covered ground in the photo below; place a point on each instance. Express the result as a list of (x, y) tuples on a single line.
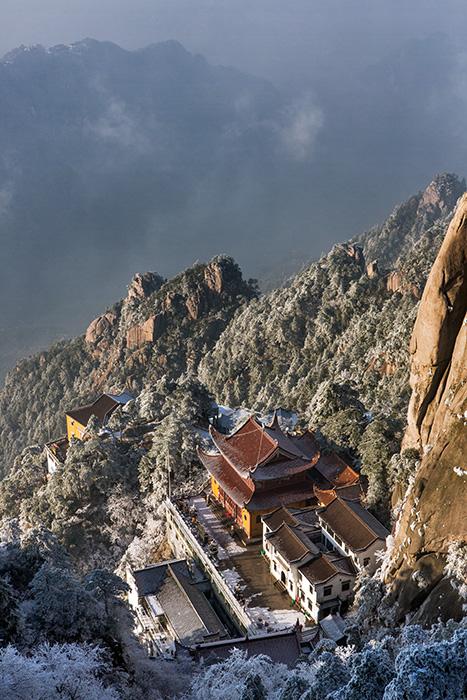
[(227, 546), (275, 620)]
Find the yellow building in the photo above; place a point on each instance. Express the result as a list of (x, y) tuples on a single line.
[(78, 418)]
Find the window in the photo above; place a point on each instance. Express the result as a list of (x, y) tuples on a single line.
[(258, 518), (366, 561), (327, 590), (338, 540), (274, 565), (244, 516), (311, 588), (302, 594), (310, 604), (346, 585)]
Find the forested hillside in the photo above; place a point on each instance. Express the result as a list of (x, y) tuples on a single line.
[(161, 329)]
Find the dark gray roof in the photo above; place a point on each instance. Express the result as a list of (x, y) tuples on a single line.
[(148, 580), (292, 543), (333, 627), (185, 606), (182, 615), (102, 407), (353, 523), (281, 647)]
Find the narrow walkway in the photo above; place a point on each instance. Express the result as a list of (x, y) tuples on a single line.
[(247, 574)]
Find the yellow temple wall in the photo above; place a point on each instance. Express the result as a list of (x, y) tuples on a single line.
[(215, 488), (73, 428)]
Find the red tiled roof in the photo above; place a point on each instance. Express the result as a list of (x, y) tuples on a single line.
[(335, 470), (352, 492), (249, 446), (265, 452), (240, 490), (280, 469), (287, 443), (265, 499)]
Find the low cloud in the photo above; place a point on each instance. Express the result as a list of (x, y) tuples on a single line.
[(6, 196), (118, 127), (303, 121)]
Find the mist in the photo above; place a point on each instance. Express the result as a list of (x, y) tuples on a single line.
[(352, 107)]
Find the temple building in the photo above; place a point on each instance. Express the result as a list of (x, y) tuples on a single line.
[(172, 602), (102, 408), (259, 468), (317, 576), (352, 530)]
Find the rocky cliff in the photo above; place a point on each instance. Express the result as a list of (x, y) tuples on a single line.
[(433, 516)]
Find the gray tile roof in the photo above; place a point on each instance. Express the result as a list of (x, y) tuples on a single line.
[(186, 608)]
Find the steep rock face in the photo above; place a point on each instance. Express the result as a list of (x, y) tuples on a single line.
[(146, 332), (144, 284), (100, 327), (434, 512)]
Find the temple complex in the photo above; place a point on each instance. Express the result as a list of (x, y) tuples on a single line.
[(259, 468)]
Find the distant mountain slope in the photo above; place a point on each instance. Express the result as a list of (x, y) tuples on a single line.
[(109, 156), (341, 319)]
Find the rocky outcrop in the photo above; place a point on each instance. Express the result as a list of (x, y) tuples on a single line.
[(355, 252), (100, 327), (214, 277), (144, 284), (146, 332), (433, 515), (439, 198), (410, 221), (372, 269), (395, 282)]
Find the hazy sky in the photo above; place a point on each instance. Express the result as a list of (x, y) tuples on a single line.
[(374, 104), (284, 40)]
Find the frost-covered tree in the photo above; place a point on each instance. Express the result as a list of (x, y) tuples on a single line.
[(172, 455), (370, 672), (60, 609), (56, 672), (407, 664), (456, 567), (378, 444), (437, 671), (234, 677)]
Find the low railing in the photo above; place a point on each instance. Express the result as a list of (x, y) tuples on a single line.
[(218, 582)]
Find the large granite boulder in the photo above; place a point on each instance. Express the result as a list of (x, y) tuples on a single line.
[(434, 514)]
